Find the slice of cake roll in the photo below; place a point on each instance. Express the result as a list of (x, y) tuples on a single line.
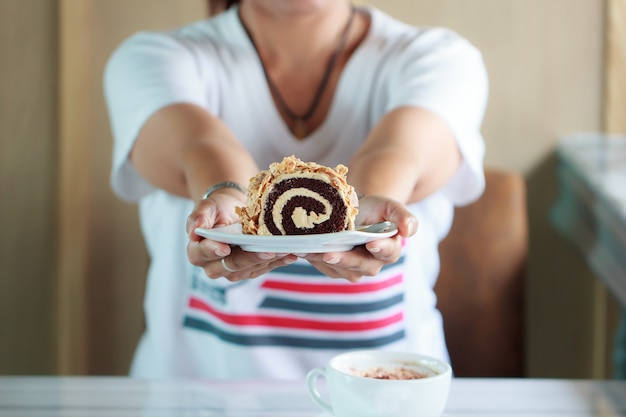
[(294, 197)]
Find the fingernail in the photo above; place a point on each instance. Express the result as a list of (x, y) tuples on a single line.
[(332, 261), (266, 255), (220, 253), (411, 228), (375, 249)]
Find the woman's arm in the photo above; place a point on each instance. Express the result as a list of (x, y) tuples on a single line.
[(184, 150), (410, 154)]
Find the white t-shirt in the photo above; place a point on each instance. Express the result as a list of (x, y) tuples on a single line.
[(291, 319)]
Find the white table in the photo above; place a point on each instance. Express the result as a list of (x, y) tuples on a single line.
[(119, 396)]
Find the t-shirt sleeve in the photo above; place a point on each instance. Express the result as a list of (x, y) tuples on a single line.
[(445, 74), (147, 72)]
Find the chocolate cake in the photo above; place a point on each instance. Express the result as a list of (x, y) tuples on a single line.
[(293, 197)]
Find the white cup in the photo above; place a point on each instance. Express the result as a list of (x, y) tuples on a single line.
[(353, 395)]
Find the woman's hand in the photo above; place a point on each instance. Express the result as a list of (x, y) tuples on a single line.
[(368, 259), (219, 259)]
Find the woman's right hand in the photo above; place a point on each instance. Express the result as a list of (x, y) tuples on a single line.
[(220, 259)]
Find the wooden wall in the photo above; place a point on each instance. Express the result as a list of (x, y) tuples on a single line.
[(72, 262), (28, 164)]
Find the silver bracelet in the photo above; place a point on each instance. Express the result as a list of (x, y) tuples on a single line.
[(220, 185)]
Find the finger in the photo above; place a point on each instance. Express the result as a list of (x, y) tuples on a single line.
[(203, 215), (376, 209), (271, 265), (217, 269), (352, 265), (206, 250), (236, 263), (242, 260), (367, 258), (386, 250), (405, 221), (336, 272), (226, 267), (356, 262)]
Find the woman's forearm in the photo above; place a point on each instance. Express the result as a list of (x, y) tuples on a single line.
[(409, 155), (184, 150)]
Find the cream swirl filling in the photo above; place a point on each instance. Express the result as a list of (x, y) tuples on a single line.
[(299, 216)]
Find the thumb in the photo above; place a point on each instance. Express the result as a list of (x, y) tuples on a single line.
[(406, 221)]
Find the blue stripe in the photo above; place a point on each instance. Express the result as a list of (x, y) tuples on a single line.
[(331, 308), (309, 270), (288, 341)]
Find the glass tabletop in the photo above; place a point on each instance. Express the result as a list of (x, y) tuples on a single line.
[(120, 396)]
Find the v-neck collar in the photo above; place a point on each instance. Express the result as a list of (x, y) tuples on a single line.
[(338, 95)]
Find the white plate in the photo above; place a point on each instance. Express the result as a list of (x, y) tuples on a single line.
[(320, 243)]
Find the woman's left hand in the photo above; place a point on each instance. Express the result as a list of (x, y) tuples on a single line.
[(368, 259)]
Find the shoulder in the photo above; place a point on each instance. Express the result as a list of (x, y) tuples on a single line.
[(396, 38), (200, 51), (199, 39)]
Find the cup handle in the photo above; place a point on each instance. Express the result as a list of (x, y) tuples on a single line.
[(311, 383)]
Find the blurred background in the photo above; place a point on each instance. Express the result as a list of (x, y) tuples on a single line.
[(72, 261)]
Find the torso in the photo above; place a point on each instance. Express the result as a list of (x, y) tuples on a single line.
[(358, 96)]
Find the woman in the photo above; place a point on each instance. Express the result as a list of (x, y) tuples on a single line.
[(205, 106)]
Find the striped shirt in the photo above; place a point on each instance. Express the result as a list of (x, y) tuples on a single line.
[(297, 306)]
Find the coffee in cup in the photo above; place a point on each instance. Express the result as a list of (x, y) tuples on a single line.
[(379, 383)]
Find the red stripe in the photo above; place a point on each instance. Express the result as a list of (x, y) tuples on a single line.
[(332, 288), (276, 321)]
